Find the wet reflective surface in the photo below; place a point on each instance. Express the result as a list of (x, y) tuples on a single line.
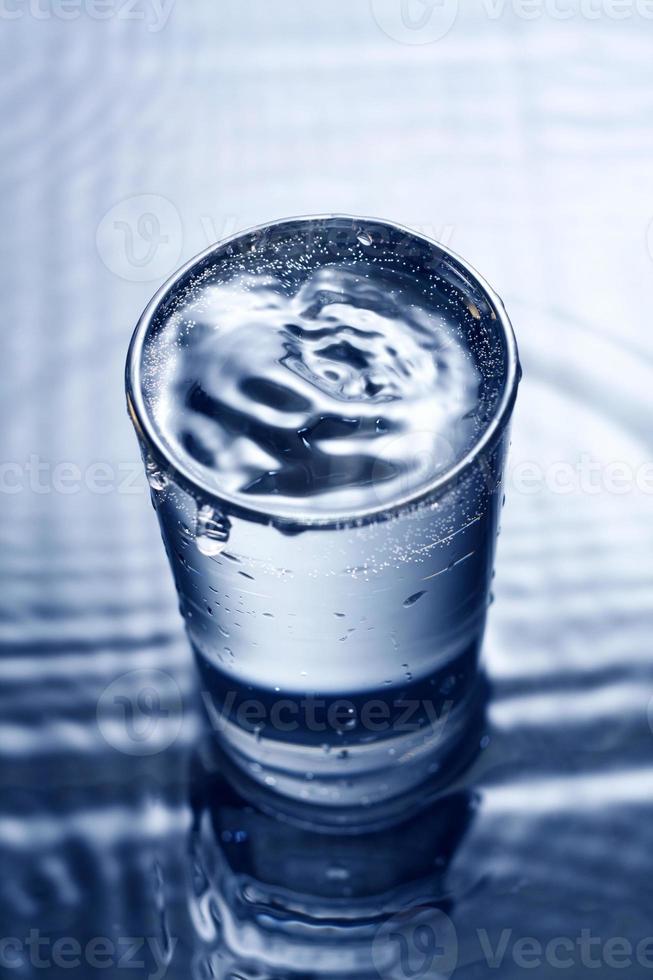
[(114, 824), (117, 821)]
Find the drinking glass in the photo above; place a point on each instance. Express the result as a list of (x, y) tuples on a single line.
[(339, 653)]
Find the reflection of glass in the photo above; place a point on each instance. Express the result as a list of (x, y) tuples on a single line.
[(270, 899), (338, 647)]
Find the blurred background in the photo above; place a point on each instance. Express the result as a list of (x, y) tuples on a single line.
[(136, 133)]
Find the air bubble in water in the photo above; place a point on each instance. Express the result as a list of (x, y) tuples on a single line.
[(364, 237), (447, 685), (211, 531), (352, 721), (336, 872)]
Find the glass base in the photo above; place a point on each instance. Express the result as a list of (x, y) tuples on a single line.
[(377, 783)]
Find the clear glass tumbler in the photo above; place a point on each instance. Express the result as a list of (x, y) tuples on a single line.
[(339, 656)]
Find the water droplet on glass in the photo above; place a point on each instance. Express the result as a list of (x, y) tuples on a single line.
[(412, 599), (211, 531), (155, 477), (364, 237)]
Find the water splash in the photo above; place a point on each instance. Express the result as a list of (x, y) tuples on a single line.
[(339, 378)]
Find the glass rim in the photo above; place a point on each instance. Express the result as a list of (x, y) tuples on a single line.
[(227, 503)]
